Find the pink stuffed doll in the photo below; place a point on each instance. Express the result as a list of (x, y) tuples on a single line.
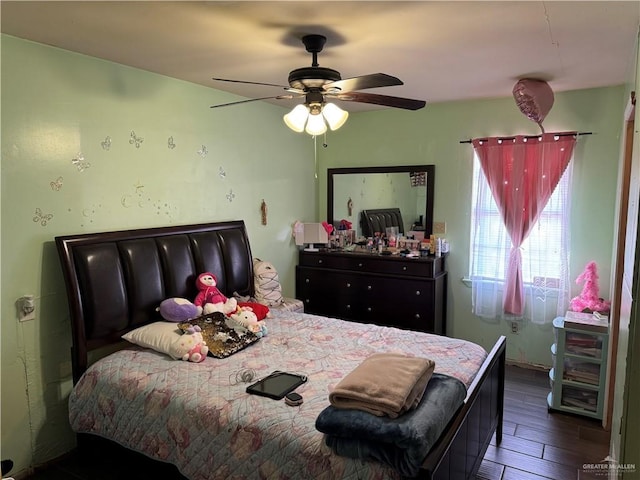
[(210, 299)]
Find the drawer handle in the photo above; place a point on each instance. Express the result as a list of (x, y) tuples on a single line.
[(348, 285), (417, 315), (368, 309), (417, 292), (360, 265), (404, 267), (320, 261), (306, 280), (369, 287), (348, 307), (306, 300)]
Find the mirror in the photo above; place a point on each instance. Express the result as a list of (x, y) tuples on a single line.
[(408, 187)]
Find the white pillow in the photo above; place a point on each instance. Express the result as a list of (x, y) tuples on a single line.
[(163, 337)]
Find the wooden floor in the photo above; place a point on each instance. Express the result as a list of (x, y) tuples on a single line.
[(536, 444)]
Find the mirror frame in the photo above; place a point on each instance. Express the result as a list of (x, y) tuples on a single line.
[(430, 169)]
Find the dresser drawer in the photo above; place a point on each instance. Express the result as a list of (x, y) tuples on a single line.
[(323, 292), (399, 302), (428, 267), (321, 260), (403, 266)]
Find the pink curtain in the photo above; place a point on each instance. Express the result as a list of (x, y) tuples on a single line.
[(522, 173)]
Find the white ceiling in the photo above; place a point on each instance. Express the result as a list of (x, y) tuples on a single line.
[(441, 50)]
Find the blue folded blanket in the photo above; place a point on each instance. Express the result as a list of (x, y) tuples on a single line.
[(401, 442)]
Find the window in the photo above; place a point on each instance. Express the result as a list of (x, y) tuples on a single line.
[(544, 253)]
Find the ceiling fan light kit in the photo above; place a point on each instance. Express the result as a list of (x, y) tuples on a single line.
[(317, 84), (314, 118)]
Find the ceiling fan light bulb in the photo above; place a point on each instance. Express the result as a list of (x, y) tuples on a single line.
[(316, 125), (297, 118), (335, 116)]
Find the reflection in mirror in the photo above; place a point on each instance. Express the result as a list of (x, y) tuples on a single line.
[(408, 188)]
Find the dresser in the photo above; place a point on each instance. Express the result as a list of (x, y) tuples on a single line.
[(578, 375), (409, 293)]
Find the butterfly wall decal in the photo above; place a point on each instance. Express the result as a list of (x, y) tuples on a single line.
[(135, 140), (56, 184), (80, 163), (106, 145), (42, 218)]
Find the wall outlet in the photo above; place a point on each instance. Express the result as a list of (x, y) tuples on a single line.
[(439, 228), (515, 327), (26, 308), (25, 317)]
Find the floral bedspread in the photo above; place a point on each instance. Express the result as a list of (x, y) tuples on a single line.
[(198, 416)]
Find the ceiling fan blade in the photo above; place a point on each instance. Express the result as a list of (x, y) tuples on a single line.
[(387, 101), (363, 82), (277, 97), (288, 89), (248, 83)]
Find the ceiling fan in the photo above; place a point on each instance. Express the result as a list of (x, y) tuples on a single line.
[(317, 84)]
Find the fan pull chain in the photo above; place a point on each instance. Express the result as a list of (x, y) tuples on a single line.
[(315, 157)]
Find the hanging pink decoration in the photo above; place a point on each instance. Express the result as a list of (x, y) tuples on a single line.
[(534, 99), (588, 300)]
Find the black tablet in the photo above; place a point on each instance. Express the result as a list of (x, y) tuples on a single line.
[(277, 385)]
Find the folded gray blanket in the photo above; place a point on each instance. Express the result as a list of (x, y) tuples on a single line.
[(401, 442), (384, 384)]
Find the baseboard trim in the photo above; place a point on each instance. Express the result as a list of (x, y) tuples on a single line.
[(529, 366)]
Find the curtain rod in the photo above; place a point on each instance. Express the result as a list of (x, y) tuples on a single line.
[(532, 136)]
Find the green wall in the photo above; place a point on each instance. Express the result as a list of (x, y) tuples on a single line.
[(57, 105), (433, 135)]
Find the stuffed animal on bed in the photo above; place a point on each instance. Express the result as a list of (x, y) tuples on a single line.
[(261, 311), (210, 299), (248, 320), (177, 310), (194, 347)]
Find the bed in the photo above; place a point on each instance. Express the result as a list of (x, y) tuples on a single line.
[(197, 416), (379, 219)]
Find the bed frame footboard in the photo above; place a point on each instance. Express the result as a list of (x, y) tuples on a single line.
[(458, 454)]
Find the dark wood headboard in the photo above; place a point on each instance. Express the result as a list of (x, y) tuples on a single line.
[(116, 280), (377, 220)]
